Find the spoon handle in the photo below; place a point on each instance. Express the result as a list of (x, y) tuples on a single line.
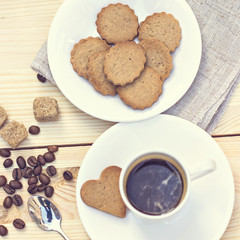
[(63, 234)]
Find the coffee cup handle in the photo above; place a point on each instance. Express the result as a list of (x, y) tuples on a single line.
[(203, 169)]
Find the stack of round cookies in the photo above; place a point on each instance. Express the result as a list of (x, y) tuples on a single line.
[(116, 64)]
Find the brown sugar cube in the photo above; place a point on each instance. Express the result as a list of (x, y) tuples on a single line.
[(3, 116), (14, 133), (45, 109)]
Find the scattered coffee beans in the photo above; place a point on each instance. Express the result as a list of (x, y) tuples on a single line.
[(68, 175), (17, 173), (51, 171), (44, 179), (41, 78), (8, 163), (15, 184), (19, 223), (21, 162), (49, 157), (32, 161), (3, 231), (32, 189), (49, 190), (3, 180), (37, 170), (27, 172), (53, 148), (9, 190), (41, 187), (7, 203), (17, 200), (32, 180), (5, 153), (41, 160), (34, 130)]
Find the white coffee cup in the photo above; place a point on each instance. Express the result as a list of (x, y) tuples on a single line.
[(141, 190)]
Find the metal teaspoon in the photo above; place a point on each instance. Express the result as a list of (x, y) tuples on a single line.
[(45, 214)]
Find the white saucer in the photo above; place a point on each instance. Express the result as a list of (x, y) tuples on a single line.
[(211, 199), (75, 20)]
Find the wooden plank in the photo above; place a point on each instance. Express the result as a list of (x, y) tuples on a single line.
[(65, 194), (229, 123), (24, 26), (230, 146), (64, 197)]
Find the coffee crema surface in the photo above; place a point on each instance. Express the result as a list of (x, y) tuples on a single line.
[(154, 186)]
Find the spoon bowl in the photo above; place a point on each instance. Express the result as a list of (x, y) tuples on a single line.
[(45, 214)]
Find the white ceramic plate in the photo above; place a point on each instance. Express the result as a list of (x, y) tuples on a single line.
[(75, 20), (211, 199)]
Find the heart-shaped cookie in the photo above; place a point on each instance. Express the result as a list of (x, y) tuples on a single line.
[(104, 194)]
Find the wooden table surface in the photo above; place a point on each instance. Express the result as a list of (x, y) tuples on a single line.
[(24, 26)]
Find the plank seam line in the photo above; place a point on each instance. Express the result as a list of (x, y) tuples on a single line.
[(226, 135), (59, 145)]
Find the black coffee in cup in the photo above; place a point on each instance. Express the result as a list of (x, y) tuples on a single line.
[(155, 184)]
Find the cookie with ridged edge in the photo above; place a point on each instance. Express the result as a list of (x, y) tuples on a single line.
[(124, 63), (162, 26), (83, 50), (96, 74), (104, 194), (158, 56), (117, 23), (144, 91)]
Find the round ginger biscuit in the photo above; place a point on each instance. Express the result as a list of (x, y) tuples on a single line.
[(83, 50), (117, 23), (158, 56), (162, 26), (144, 91), (96, 74), (124, 63)]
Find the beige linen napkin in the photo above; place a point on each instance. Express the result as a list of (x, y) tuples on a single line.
[(219, 72)]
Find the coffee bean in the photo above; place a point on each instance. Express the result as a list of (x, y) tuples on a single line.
[(32, 180), (44, 179), (21, 162), (34, 130), (3, 180), (8, 163), (27, 172), (8, 189), (53, 148), (17, 173), (32, 161), (17, 200), (37, 170), (41, 160), (3, 231), (41, 78), (51, 171), (19, 223), (49, 157), (41, 187), (32, 189), (15, 184), (7, 203), (5, 153), (68, 175), (49, 190)]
